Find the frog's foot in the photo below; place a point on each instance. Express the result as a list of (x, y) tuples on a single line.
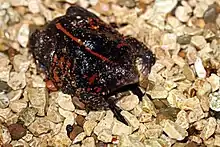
[(94, 102)]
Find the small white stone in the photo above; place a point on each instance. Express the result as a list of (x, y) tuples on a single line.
[(174, 131), (4, 100), (39, 126), (5, 112), (21, 63), (105, 123), (23, 35), (95, 115), (169, 41), (105, 135), (37, 81), (79, 137), (34, 6), (61, 139), (214, 80), (119, 128), (131, 119), (18, 2), (38, 99), (5, 135), (65, 102), (88, 126), (17, 80), (209, 129), (182, 14), (215, 101), (198, 41), (88, 142), (165, 6), (18, 105), (200, 70), (128, 102), (200, 9), (182, 119)]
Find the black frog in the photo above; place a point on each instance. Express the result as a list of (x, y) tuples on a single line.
[(85, 57)]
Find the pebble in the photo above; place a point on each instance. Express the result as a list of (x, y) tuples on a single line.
[(217, 140), (105, 123), (189, 73), (152, 130), (215, 101), (17, 131), (182, 13), (4, 100), (21, 63), (127, 141), (167, 113), (173, 130), (23, 35), (119, 128), (182, 119), (4, 87), (17, 80), (198, 41), (75, 132), (65, 102), (61, 139), (105, 136), (199, 68), (183, 39), (128, 102), (203, 87), (88, 126), (53, 115), (155, 142), (18, 2), (27, 115), (209, 129), (214, 80), (88, 142), (200, 9), (39, 126), (39, 20), (37, 81), (165, 6), (127, 3), (80, 120), (210, 15), (5, 135), (79, 137), (18, 105), (131, 119), (159, 92), (169, 41), (34, 6), (38, 99), (148, 106)]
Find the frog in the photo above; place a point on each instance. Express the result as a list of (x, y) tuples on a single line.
[(85, 57)]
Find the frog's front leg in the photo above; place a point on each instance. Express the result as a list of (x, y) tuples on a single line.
[(94, 102)]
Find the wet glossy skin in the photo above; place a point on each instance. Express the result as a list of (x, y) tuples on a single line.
[(85, 57)]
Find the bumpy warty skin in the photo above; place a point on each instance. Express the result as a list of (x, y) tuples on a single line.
[(83, 56)]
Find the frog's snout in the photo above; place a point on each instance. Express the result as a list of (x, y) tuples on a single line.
[(145, 62)]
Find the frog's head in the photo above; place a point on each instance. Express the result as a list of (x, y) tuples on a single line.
[(144, 62)]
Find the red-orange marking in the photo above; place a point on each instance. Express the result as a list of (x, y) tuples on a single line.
[(50, 85), (92, 79), (60, 27)]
